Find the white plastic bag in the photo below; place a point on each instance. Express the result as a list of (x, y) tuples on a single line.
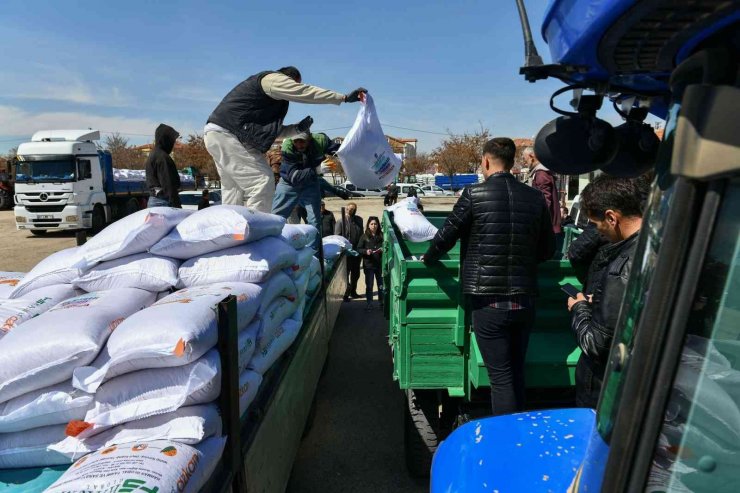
[(296, 236), (338, 240), (141, 270), (271, 346), (366, 156), (8, 282), (175, 331), (274, 314), (247, 343), (279, 284), (29, 448), (215, 228), (249, 384), (135, 233), (253, 262), (53, 405), (190, 425), (158, 466), (149, 392), (414, 226), (50, 346), (19, 310), (58, 268)]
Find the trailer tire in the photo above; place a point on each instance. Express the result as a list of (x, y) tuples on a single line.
[(38, 232), (98, 219), (421, 437), (132, 205), (6, 200)]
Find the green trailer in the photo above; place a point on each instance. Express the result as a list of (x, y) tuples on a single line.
[(436, 359)]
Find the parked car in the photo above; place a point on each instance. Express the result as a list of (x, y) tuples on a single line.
[(190, 198), (403, 189), (436, 191), (365, 192)]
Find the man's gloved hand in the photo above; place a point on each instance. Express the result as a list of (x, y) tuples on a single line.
[(305, 124), (343, 194), (354, 96)]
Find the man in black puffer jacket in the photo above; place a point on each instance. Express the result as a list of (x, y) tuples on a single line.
[(615, 206), (162, 178), (506, 231)]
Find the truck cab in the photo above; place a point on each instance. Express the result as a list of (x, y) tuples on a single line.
[(63, 182)]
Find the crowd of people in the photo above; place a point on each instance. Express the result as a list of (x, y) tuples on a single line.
[(506, 227)]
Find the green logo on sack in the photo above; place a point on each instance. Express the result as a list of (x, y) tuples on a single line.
[(136, 485)]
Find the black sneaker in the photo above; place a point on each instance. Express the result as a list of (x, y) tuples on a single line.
[(355, 295), (346, 298)]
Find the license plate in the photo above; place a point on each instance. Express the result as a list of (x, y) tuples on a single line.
[(46, 216)]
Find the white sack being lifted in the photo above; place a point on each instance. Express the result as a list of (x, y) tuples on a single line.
[(149, 392), (53, 405), (253, 262), (50, 346), (414, 226), (366, 156), (190, 424), (215, 228), (175, 331), (158, 466), (132, 234)]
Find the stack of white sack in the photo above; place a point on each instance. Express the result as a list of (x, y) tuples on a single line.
[(8, 282), (412, 224), (14, 312), (334, 245), (121, 174), (37, 360)]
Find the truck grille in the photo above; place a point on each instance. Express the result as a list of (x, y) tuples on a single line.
[(46, 222), (44, 208)]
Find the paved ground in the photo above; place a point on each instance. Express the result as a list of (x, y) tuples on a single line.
[(20, 250), (356, 443)]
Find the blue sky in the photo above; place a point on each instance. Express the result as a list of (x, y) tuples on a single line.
[(127, 66)]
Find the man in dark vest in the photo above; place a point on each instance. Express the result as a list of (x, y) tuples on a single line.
[(246, 123)]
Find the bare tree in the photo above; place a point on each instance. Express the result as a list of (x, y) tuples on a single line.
[(193, 152), (460, 153), (419, 164), (122, 154)]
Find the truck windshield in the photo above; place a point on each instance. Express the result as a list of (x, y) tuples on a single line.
[(45, 171)]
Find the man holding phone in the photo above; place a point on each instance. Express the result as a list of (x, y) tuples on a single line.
[(615, 206)]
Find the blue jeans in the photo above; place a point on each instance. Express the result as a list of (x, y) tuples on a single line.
[(157, 202), (287, 197)]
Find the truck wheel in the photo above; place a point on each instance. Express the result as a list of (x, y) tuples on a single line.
[(132, 205), (6, 200), (420, 434), (98, 219), (38, 232)]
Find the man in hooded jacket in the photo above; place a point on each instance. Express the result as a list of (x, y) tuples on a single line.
[(162, 178), (246, 123)]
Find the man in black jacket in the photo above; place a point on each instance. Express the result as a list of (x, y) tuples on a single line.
[(162, 178), (351, 227), (614, 205), (327, 221), (506, 231), (246, 123)]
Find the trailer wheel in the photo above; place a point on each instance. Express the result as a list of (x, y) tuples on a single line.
[(38, 232), (6, 200), (421, 437), (132, 205), (98, 219)]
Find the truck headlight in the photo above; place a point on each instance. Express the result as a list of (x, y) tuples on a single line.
[(20, 219), (70, 219)]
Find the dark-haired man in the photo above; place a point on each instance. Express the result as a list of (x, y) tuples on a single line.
[(246, 123), (506, 231), (615, 206)]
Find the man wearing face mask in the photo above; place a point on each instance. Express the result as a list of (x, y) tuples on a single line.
[(615, 206), (351, 228), (246, 123)]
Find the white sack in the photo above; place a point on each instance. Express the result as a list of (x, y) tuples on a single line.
[(296, 236), (141, 270), (271, 346), (367, 158), (314, 282), (275, 314), (338, 240), (252, 262), (249, 384), (53, 405), (8, 282), (146, 393), (175, 331), (247, 343), (19, 310), (158, 466), (276, 286), (315, 268), (190, 425), (135, 233), (215, 228), (52, 345), (301, 284), (29, 448), (303, 262), (412, 224), (58, 268)]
